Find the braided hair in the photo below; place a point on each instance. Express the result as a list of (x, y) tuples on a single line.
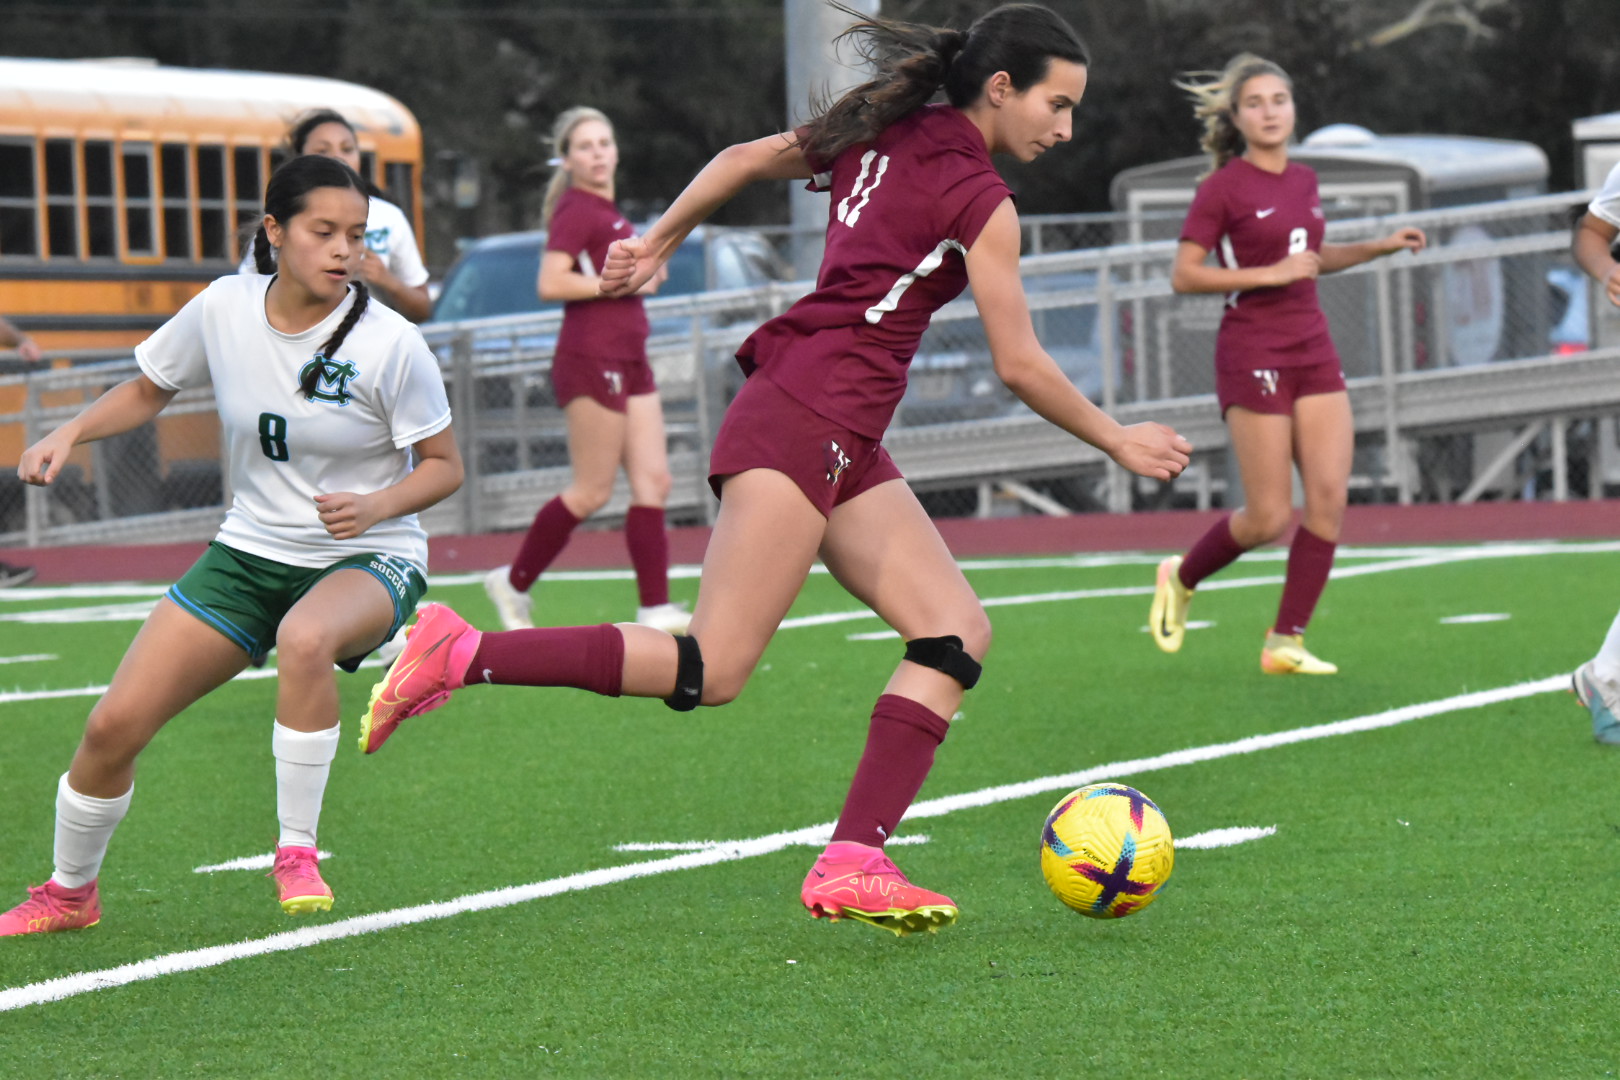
[(284, 200)]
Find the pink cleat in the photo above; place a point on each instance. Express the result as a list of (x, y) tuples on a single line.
[(298, 876), (438, 648), (50, 908), (858, 882)]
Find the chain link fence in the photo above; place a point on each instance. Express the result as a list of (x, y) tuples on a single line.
[(1472, 368)]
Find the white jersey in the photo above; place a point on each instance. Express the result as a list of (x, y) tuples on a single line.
[(389, 236), (383, 394), (1606, 207)]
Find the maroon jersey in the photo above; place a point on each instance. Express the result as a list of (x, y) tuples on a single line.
[(583, 225), (1250, 217), (905, 209)]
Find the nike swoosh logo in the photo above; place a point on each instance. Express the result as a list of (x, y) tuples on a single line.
[(1265, 213), (816, 872)]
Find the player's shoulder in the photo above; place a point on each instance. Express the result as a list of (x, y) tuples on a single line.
[(1301, 172), (382, 212), (383, 324), (234, 291)]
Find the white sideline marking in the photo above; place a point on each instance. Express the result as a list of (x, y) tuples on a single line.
[(134, 612), (1215, 838), (19, 997), (248, 675), (1483, 617), (29, 659), (873, 635), (1191, 624), (706, 845), (249, 862)]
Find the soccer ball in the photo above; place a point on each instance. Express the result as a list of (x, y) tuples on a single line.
[(1106, 850)]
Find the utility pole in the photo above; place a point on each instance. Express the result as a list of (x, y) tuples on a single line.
[(813, 68)]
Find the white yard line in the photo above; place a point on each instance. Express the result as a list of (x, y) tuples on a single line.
[(30, 658), (1215, 838), (249, 862), (67, 986)]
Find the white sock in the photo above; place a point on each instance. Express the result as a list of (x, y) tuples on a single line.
[(303, 762), (84, 828), (1606, 664)]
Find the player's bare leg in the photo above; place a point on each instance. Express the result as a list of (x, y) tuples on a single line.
[(174, 660), (883, 548), (646, 466)]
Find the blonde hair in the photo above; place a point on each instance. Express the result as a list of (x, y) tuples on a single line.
[(561, 132), (1214, 96)]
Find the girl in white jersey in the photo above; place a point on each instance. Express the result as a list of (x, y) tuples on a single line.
[(322, 399), (391, 266), (1597, 682)]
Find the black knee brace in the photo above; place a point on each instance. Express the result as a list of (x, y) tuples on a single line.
[(945, 654), (688, 693)]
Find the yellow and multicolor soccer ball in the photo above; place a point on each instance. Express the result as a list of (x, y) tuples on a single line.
[(1106, 850)]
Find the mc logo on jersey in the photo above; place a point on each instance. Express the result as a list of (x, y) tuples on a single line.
[(334, 382), (1268, 381)]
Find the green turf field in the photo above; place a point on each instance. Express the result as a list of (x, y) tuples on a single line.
[(1438, 898)]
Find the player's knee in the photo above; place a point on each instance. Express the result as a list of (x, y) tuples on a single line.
[(651, 488), (587, 499), (974, 630), (1268, 522), (949, 655), (301, 642), (108, 733)]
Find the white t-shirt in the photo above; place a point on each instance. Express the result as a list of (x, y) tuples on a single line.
[(389, 236), (385, 395), (1607, 204)]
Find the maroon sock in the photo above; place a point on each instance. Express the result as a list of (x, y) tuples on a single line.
[(1310, 560), (899, 752), (644, 535), (546, 537), (1214, 550), (588, 657)]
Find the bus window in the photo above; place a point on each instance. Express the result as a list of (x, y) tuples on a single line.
[(138, 216), (368, 165), (61, 206), (249, 187), (399, 187), (176, 201), (18, 235), (98, 198), (211, 213)]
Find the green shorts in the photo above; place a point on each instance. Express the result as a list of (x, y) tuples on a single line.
[(245, 597)]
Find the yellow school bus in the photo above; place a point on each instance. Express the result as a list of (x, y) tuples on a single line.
[(126, 186)]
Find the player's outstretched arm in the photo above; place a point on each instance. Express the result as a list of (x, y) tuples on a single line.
[(1593, 250), (631, 263), (1030, 373), (123, 408), (1343, 256), (1191, 273), (438, 473)]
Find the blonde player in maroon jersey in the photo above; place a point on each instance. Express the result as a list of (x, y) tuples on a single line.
[(917, 212), (602, 382), (1277, 374)]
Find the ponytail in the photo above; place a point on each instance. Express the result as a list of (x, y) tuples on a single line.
[(913, 62), (316, 369), (1214, 96), (562, 131)]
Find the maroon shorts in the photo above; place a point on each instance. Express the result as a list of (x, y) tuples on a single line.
[(766, 428), (1274, 390), (607, 382)]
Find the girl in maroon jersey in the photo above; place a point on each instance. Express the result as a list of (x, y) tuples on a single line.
[(602, 382), (917, 212), (1277, 373)]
